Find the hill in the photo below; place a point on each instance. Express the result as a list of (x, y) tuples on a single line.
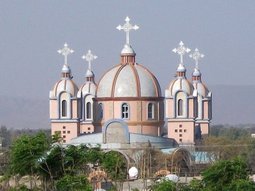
[(231, 105)]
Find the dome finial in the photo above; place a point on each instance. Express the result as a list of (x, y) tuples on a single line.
[(65, 52), (196, 55), (126, 28), (89, 57), (181, 50)]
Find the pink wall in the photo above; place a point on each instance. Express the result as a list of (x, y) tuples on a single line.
[(182, 132), (67, 130), (86, 128), (204, 128), (53, 109)]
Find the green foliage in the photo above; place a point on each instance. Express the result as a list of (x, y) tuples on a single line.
[(164, 185), (71, 160), (50, 164), (19, 188), (25, 153), (225, 174), (73, 183), (242, 184), (115, 165), (194, 185)]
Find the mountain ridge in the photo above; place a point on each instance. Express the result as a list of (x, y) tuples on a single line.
[(232, 104)]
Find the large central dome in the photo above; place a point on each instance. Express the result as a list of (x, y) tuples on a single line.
[(128, 80)]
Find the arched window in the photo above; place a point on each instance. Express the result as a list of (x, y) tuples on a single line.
[(101, 111), (88, 110), (125, 111), (150, 111), (64, 108), (180, 107)]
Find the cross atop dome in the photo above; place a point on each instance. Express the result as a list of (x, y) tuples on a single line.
[(196, 55), (89, 57), (181, 50), (65, 52), (127, 27)]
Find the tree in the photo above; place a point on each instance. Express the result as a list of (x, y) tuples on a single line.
[(25, 154), (227, 175), (164, 185), (73, 183), (115, 165), (5, 136)]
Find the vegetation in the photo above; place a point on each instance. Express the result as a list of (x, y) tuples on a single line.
[(164, 185), (116, 168), (224, 175), (74, 183), (228, 175), (41, 157), (60, 168)]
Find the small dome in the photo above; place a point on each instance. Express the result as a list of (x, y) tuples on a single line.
[(88, 88), (65, 85), (127, 49), (128, 80), (180, 84), (196, 72), (201, 89), (181, 68), (66, 69), (89, 74)]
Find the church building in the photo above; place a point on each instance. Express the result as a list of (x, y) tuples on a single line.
[(125, 108)]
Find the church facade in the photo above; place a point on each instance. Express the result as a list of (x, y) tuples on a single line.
[(126, 106)]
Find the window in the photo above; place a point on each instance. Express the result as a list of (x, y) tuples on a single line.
[(89, 128), (180, 140), (68, 132), (150, 111), (64, 141), (180, 130), (64, 127), (64, 108), (180, 135), (88, 109), (64, 132), (185, 130), (64, 136), (175, 130), (101, 111), (180, 107), (125, 111), (180, 126)]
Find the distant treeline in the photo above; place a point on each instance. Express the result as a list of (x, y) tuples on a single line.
[(232, 132), (8, 135)]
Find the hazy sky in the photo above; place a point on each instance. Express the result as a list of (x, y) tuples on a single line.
[(32, 31)]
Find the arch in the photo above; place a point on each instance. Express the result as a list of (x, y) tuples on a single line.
[(181, 104), (64, 105), (88, 107), (88, 110), (180, 161), (125, 111), (151, 111), (120, 152), (117, 126)]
